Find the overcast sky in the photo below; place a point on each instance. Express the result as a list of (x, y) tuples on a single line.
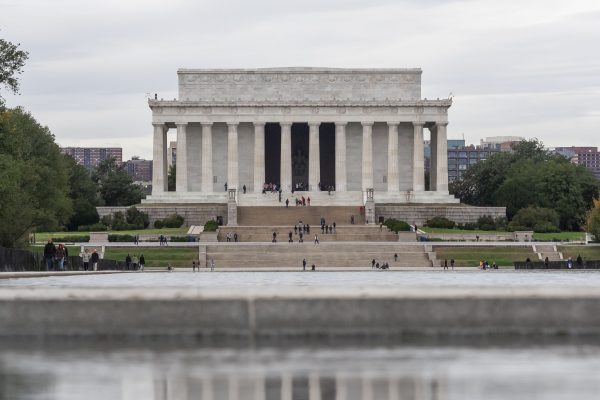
[(516, 67)]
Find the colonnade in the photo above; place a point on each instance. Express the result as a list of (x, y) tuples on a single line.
[(439, 168)]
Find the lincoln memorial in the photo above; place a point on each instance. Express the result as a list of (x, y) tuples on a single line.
[(308, 129)]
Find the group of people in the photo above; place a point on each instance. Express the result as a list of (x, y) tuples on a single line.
[(56, 257), (196, 266), (312, 267), (446, 263), (483, 264), (231, 236), (270, 187), (134, 263), (384, 265), (303, 201), (162, 240)]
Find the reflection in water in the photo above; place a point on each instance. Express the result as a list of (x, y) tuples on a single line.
[(411, 373)]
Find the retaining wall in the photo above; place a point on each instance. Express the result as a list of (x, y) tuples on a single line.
[(419, 214), (193, 214)]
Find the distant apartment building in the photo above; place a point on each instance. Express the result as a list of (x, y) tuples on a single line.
[(588, 157), (460, 158), (501, 143), (90, 157), (139, 169)]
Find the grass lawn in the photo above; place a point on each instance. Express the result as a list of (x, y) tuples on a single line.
[(587, 252), (156, 257), (465, 256), (557, 237), (44, 236)]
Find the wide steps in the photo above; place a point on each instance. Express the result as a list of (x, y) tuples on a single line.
[(288, 216), (348, 233)]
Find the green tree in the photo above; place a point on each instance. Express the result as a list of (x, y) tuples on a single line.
[(530, 176), (115, 186), (83, 195), (593, 220), (171, 178), (33, 178), (12, 61)]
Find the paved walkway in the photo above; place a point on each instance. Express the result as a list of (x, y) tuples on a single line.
[(41, 274)]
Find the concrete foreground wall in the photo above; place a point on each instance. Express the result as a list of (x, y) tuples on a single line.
[(419, 214), (193, 214), (261, 316)]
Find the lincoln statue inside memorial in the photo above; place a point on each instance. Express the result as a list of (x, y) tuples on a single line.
[(333, 134)]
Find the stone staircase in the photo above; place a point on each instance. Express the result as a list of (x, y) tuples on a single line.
[(281, 215), (344, 233), (549, 251), (329, 254), (316, 198)]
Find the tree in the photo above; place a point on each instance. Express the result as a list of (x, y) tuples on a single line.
[(115, 186), (593, 220), (530, 176), (83, 195), (12, 61), (33, 178), (171, 178)]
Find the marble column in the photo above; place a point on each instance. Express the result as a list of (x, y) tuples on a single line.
[(367, 156), (259, 156), (181, 184), (207, 158), (314, 158), (418, 158), (441, 184), (286, 156), (159, 160), (232, 156), (340, 156), (393, 179)]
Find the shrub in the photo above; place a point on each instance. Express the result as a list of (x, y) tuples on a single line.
[(120, 238), (486, 223), (137, 218), (179, 239), (440, 222), (396, 225), (99, 227), (531, 217), (469, 226), (106, 220), (173, 221), (158, 224), (71, 239), (211, 226)]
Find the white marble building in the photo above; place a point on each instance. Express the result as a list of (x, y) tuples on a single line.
[(349, 129)]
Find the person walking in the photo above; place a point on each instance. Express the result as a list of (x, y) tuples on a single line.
[(334, 225), (85, 258), (290, 240), (235, 237), (395, 257), (546, 263), (304, 264), (60, 257), (94, 259), (352, 220), (452, 263), (134, 262), (49, 254), (142, 262), (316, 239), (445, 263), (308, 200), (301, 239), (194, 266), (287, 203), (274, 237), (127, 262)]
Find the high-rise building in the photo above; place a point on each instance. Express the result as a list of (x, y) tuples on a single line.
[(90, 157), (139, 169), (460, 158), (588, 157), (502, 143)]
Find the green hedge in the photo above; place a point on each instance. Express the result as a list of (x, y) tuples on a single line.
[(211, 226), (99, 227), (172, 221), (440, 222), (397, 225), (120, 238), (179, 239), (71, 239)]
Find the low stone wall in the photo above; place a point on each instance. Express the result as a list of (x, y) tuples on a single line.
[(419, 214), (456, 237), (193, 214), (116, 313)]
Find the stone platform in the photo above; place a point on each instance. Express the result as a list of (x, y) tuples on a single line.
[(263, 312)]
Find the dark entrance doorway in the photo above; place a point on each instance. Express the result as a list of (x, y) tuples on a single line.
[(272, 153), (300, 156), (327, 150)]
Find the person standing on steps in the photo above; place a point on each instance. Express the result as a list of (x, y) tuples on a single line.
[(316, 239), (373, 263), (334, 225), (396, 257), (452, 263), (546, 263), (244, 189), (287, 203), (301, 240), (193, 266), (313, 268), (225, 186), (304, 264), (290, 240), (274, 237), (445, 263), (212, 264)]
